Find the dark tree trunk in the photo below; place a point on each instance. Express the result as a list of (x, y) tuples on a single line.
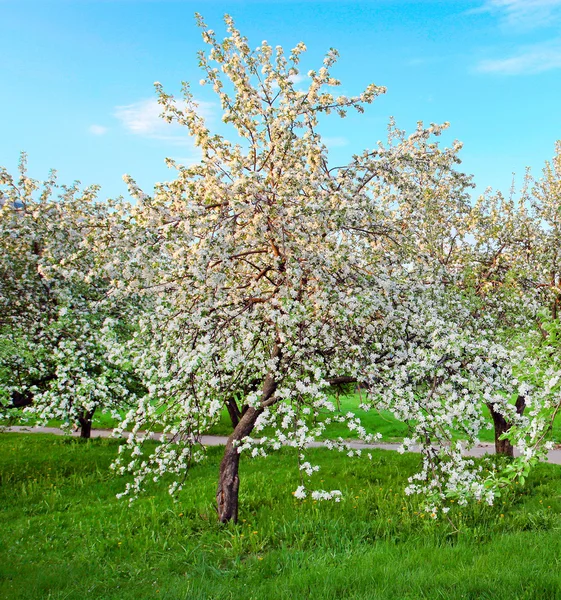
[(85, 420), (504, 447), (234, 412), (20, 400), (229, 480)]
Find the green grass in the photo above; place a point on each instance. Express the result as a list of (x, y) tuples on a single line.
[(63, 534), (374, 421), (383, 422)]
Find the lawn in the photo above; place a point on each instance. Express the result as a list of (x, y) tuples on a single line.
[(374, 421), (63, 534)]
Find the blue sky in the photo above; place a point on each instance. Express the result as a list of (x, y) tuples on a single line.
[(76, 78)]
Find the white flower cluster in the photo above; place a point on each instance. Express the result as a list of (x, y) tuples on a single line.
[(54, 309)]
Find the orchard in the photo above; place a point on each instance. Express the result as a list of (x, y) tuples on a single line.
[(264, 282)]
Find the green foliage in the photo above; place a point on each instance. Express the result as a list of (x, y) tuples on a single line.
[(64, 535)]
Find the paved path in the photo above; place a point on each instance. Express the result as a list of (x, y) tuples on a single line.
[(553, 456)]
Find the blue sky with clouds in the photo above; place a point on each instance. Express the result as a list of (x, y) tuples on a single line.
[(77, 95)]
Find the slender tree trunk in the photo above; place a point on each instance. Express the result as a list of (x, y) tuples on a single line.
[(504, 447), (229, 480), (85, 420), (234, 412)]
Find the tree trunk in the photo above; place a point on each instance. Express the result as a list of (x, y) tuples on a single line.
[(504, 447), (229, 482), (234, 412), (19, 399), (85, 420)]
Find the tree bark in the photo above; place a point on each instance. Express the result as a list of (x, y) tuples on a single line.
[(227, 493), (229, 482), (234, 412), (85, 420), (504, 447), (19, 400)]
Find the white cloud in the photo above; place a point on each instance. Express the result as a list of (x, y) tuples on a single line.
[(521, 16), (143, 118), (416, 62), (98, 129), (528, 60), (335, 141), (193, 157), (297, 78), (524, 14)]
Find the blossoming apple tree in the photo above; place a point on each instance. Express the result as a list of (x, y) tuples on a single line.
[(546, 204), (502, 251), (53, 315), (273, 276)]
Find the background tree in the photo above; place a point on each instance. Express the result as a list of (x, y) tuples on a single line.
[(546, 204), (513, 267), (480, 252), (53, 312)]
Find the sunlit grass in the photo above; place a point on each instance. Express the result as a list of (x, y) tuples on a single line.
[(63, 534)]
